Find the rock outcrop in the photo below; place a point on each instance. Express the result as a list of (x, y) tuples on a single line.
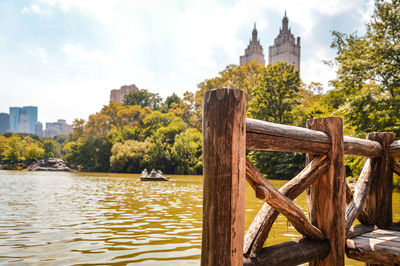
[(51, 164)]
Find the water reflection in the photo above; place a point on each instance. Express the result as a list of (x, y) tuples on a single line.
[(64, 219)]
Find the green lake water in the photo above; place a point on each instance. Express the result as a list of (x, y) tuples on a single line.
[(112, 219)]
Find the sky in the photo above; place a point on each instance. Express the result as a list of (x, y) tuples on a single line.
[(65, 56)]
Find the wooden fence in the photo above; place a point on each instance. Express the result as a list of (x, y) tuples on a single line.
[(227, 133)]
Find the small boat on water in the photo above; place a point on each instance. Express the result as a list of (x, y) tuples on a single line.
[(154, 178)]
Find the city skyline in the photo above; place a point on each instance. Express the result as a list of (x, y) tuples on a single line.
[(66, 56)]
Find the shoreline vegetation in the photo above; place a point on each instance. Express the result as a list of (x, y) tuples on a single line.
[(146, 131)]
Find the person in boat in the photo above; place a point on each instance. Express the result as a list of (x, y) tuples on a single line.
[(144, 173), (153, 173), (159, 173)]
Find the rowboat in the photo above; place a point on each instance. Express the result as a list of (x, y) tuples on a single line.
[(154, 178)]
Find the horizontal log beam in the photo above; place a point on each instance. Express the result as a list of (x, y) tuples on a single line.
[(362, 147), (267, 192), (291, 253), (262, 135), (394, 148), (258, 231), (360, 194)]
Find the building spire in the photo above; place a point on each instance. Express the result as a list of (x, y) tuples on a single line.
[(254, 33), (285, 22)]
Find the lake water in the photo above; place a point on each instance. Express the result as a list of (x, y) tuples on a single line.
[(99, 218)]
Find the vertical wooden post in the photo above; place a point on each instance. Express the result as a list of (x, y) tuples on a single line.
[(224, 164), (327, 196), (379, 201)]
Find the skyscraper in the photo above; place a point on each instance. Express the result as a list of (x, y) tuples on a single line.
[(39, 129), (23, 120), (14, 119), (31, 113), (285, 48), (4, 122)]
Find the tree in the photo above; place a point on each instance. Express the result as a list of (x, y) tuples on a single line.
[(173, 99), (32, 152), (243, 77), (367, 88), (78, 128), (273, 100), (3, 145), (187, 152), (13, 152), (143, 98), (276, 94), (128, 156), (51, 148)]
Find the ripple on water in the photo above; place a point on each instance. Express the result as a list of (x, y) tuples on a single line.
[(88, 218)]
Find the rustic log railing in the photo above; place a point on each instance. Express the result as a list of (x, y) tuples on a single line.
[(227, 133)]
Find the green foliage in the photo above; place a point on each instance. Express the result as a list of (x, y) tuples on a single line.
[(32, 151), (244, 77), (187, 152), (274, 99), (90, 154), (278, 165), (170, 100), (13, 152), (367, 87), (159, 156), (276, 94), (52, 148), (128, 156), (143, 98), (354, 165)]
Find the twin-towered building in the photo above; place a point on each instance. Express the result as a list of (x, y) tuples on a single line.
[(285, 48)]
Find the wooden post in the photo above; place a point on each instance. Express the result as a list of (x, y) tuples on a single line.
[(379, 200), (327, 196), (224, 162), (378, 206)]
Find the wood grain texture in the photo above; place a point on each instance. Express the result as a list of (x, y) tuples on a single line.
[(362, 217), (396, 167), (379, 247), (290, 253), (327, 195), (360, 194), (267, 192), (362, 147), (262, 135), (258, 231), (360, 229), (224, 132), (394, 149), (379, 201)]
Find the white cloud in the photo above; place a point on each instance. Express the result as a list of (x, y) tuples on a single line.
[(31, 9), (39, 53), (75, 52), (163, 45)]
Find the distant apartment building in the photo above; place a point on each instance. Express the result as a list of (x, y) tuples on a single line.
[(4, 122), (118, 95), (57, 128), (23, 120), (39, 129)]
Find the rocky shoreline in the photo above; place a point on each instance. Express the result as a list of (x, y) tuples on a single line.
[(51, 164)]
